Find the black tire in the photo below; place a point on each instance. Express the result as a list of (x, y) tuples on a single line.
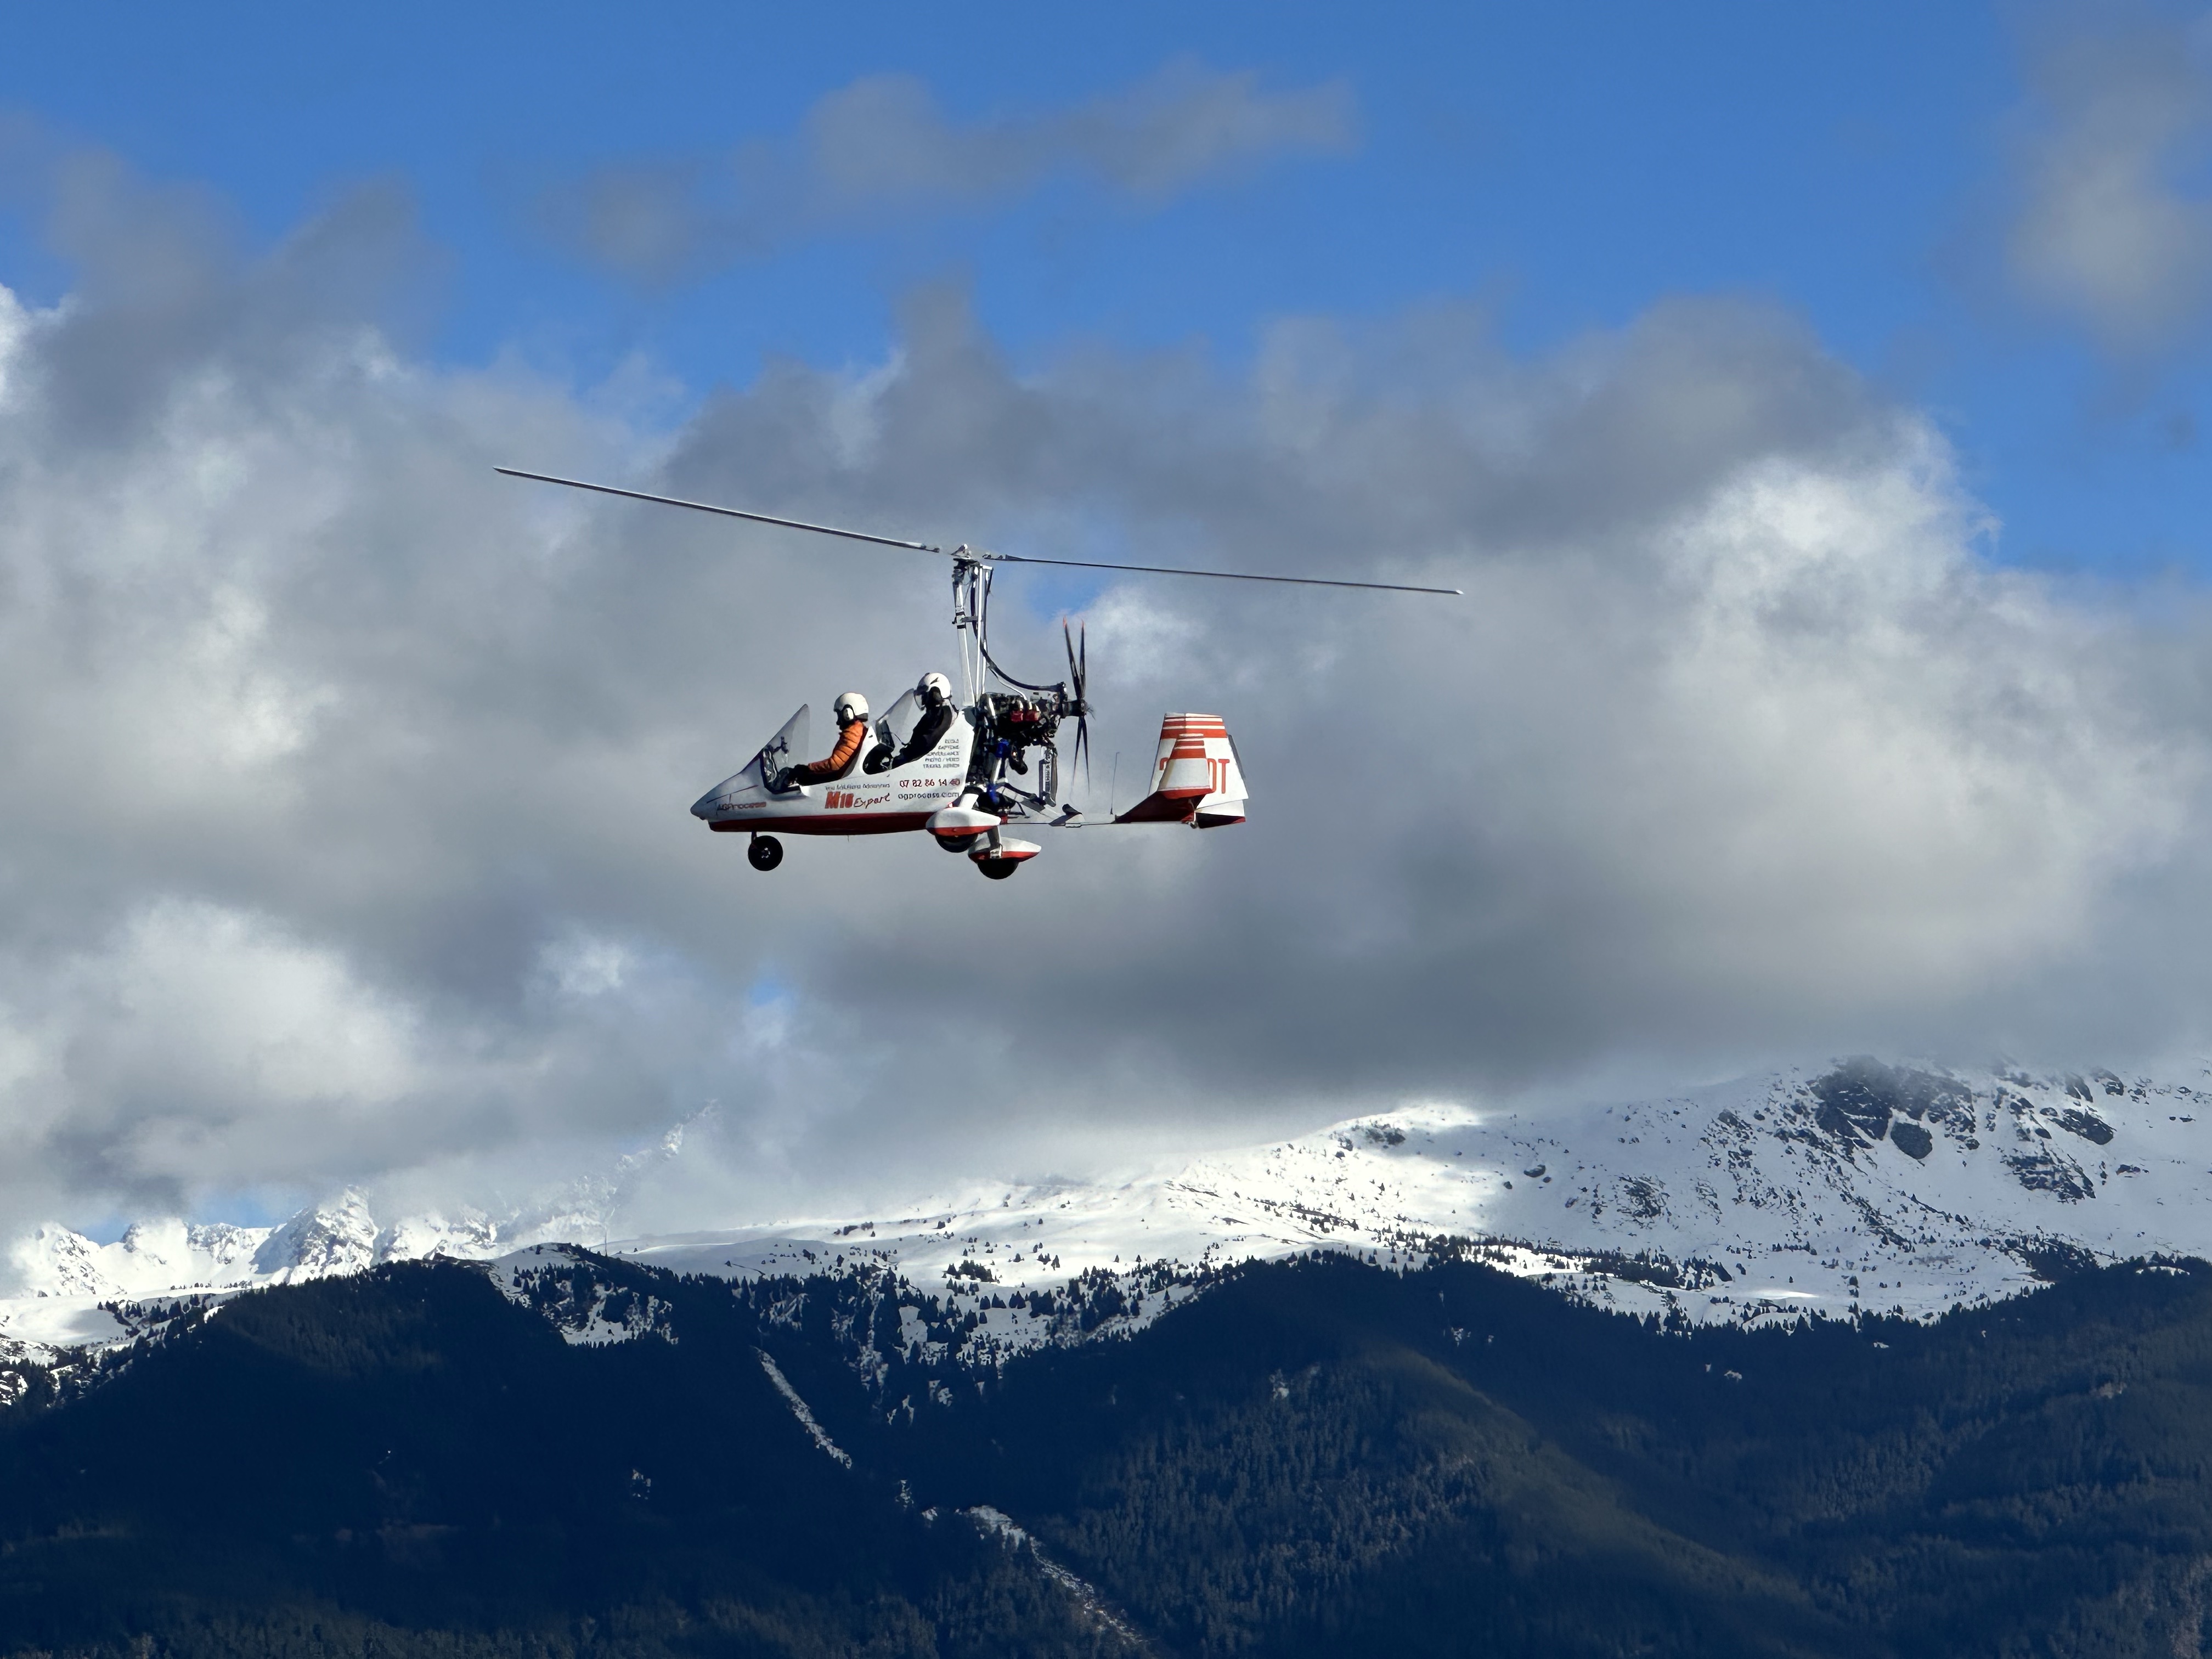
[(953, 843), (765, 853), (998, 869)]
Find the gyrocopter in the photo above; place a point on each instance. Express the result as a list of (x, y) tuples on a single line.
[(960, 770)]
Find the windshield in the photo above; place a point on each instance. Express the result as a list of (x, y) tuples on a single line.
[(898, 725), (787, 747)]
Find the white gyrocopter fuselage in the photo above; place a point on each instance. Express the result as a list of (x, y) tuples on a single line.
[(946, 794)]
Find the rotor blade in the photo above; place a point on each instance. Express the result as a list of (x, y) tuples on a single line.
[(726, 512), (1224, 575), (928, 547)]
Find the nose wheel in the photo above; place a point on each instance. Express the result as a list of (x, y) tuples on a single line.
[(764, 853)]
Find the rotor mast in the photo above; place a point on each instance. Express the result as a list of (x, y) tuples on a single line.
[(971, 582)]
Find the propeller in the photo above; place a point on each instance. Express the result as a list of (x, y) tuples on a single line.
[(1079, 669)]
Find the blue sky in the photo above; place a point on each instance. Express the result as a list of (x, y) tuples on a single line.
[(1562, 167)]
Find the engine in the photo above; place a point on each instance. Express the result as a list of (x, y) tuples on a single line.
[(1008, 724)]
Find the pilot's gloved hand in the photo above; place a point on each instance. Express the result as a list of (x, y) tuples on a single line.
[(878, 760), (780, 783)]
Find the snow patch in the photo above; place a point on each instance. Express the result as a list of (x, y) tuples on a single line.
[(996, 1524), (799, 1409), (567, 1291)]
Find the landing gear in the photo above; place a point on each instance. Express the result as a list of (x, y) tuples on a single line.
[(998, 856), (764, 853), (953, 843)]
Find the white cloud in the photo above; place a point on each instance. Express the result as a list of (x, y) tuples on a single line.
[(347, 838), (199, 1046)]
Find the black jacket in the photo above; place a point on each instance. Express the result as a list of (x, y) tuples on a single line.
[(927, 734)]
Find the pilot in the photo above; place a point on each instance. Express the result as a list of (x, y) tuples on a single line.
[(935, 692), (852, 710)]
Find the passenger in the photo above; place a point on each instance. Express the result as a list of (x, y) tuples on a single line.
[(937, 712), (852, 709)]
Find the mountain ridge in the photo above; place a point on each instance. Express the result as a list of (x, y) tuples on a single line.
[(1833, 1190)]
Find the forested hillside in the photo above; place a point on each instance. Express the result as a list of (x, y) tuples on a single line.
[(1313, 1457)]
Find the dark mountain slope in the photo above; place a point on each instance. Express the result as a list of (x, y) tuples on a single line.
[(1302, 1464), (1319, 1453), (1314, 1458), (408, 1450)]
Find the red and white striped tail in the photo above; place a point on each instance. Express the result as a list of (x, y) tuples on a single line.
[(1196, 778)]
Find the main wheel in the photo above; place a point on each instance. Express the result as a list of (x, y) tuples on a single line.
[(998, 869), (952, 843), (764, 853)]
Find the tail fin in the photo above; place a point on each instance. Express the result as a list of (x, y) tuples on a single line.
[(1196, 777)]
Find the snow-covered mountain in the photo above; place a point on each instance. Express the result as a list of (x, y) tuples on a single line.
[(1850, 1187), (1827, 1189), (70, 1291)]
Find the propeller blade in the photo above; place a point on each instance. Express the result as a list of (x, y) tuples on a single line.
[(1079, 659), (1073, 688)]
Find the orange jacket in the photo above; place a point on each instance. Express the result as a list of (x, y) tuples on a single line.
[(849, 739)]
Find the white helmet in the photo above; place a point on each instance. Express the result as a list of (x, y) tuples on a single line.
[(851, 707), (936, 683)]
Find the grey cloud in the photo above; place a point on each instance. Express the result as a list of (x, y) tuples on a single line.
[(347, 836), (883, 145), (884, 139), (2113, 226), (661, 221), (163, 291)]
